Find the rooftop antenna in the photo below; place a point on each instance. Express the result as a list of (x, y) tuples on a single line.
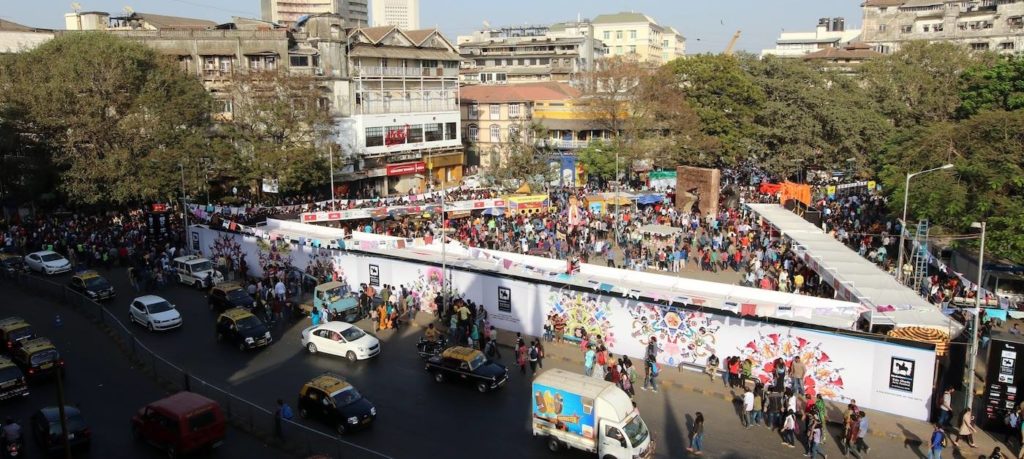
[(76, 7)]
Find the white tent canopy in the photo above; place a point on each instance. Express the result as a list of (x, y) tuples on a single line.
[(858, 279), (660, 230)]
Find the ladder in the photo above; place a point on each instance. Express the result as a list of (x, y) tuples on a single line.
[(920, 255)]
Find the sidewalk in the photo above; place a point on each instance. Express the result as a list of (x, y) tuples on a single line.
[(912, 433)]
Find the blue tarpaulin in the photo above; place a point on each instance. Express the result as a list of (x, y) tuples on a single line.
[(650, 198)]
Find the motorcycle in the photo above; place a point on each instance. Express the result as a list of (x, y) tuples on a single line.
[(428, 349)]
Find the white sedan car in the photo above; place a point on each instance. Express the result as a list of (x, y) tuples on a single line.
[(154, 313), (340, 338), (48, 262)]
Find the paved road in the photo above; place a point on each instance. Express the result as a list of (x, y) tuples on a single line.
[(100, 381), (416, 416)]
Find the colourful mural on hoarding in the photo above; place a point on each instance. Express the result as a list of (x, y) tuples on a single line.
[(565, 410), (823, 377), (683, 336), (583, 314)]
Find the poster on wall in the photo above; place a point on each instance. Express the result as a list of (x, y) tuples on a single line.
[(375, 275), (901, 374), (195, 242), (504, 299)]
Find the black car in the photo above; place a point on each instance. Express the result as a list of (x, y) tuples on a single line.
[(11, 265), (331, 399), (226, 296), (47, 431), (468, 365), (12, 380), (93, 285), (243, 329)]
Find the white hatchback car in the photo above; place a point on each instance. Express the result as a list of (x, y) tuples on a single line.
[(154, 313), (340, 338), (48, 262)]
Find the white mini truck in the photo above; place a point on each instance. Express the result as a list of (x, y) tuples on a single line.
[(576, 411)]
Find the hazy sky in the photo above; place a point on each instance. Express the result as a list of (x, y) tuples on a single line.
[(707, 25)]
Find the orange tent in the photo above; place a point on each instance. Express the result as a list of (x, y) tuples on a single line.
[(798, 191)]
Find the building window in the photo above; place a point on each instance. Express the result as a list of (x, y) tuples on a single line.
[(432, 132), (185, 63), (664, 43), (632, 49), (495, 111), (449, 131), (428, 64), (618, 50), (374, 136), (261, 63), (907, 28), (1006, 45), (607, 34), (1015, 22), (474, 133), (299, 61), (618, 35), (474, 111), (226, 105), (881, 27), (415, 134), (513, 110), (513, 134), (632, 35), (495, 133), (979, 46)]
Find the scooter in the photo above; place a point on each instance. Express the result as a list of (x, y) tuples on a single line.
[(428, 349)]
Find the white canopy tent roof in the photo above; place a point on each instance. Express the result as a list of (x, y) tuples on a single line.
[(857, 278)]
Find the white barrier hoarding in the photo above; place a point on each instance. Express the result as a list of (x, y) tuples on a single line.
[(885, 376)]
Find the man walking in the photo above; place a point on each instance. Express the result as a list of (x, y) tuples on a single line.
[(797, 370), (938, 441), (651, 365), (862, 431), (946, 408), (748, 407)]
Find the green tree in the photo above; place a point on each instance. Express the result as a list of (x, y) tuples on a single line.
[(520, 160), (812, 118), (988, 151), (921, 83), (999, 86), (725, 98), (281, 129), (598, 159), (113, 115)]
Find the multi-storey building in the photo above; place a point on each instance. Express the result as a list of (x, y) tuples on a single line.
[(404, 14), (630, 33), (843, 60), (405, 121), (981, 25), (494, 116), (522, 54), (394, 94), (830, 33), (16, 38), (288, 12)]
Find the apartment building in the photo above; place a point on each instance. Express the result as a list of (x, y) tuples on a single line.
[(632, 33), (492, 116), (404, 14), (404, 126), (16, 38), (981, 25), (831, 33), (288, 12), (521, 54)]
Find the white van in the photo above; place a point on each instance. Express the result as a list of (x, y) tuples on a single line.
[(196, 271)]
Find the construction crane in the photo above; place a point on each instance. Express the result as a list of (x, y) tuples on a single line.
[(732, 43)]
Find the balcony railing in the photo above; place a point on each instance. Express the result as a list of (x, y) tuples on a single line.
[(378, 108), (403, 72), (563, 144)]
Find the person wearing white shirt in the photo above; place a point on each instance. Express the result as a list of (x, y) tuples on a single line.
[(748, 407)]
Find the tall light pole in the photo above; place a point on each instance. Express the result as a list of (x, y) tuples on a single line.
[(903, 223), (618, 204), (977, 317), (184, 213), (444, 258), (331, 150)]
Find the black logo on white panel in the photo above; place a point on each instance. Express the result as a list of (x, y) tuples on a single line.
[(375, 275), (901, 374), (504, 299)]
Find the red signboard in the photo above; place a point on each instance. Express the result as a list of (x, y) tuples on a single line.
[(396, 136), (159, 207), (417, 167)]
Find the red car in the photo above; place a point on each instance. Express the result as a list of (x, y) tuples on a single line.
[(182, 423)]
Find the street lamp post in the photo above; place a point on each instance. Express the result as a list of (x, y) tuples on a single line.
[(333, 204), (977, 317), (184, 213), (903, 223)]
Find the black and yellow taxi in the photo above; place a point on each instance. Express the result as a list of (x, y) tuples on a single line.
[(467, 365), (38, 358), (329, 398), (93, 285), (11, 265), (242, 328), (12, 380), (229, 295), (14, 330)]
